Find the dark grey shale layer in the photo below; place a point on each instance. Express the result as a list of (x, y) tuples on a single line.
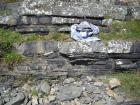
[(39, 16), (74, 58)]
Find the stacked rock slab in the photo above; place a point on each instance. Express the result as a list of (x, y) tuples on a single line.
[(75, 58), (77, 8), (42, 16)]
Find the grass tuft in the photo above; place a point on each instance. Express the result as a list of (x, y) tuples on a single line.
[(13, 58), (124, 30), (7, 41), (130, 82), (57, 36)]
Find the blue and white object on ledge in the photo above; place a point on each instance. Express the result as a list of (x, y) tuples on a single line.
[(85, 32)]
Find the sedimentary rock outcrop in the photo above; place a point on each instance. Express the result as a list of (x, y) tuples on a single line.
[(76, 58), (39, 16)]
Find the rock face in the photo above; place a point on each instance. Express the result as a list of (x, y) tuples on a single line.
[(69, 8), (8, 20), (63, 8), (74, 58), (44, 87), (44, 47), (19, 99), (111, 47), (80, 92), (39, 16), (69, 92)]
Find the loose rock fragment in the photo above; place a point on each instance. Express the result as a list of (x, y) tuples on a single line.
[(114, 82)]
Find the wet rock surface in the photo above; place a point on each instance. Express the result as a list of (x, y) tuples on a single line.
[(82, 91)]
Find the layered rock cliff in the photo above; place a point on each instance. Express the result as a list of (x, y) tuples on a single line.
[(42, 16)]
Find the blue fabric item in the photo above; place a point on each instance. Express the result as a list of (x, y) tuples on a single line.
[(84, 32)]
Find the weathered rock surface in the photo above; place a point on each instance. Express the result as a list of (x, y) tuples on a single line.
[(118, 47), (19, 99), (13, 7), (44, 87), (69, 93), (129, 103), (75, 58), (63, 59), (111, 47), (69, 80), (8, 20), (59, 15), (2, 6), (45, 24), (32, 29), (70, 8), (114, 82), (79, 92)]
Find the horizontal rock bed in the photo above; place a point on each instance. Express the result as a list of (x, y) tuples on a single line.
[(75, 58), (44, 24), (57, 15), (115, 8), (64, 73)]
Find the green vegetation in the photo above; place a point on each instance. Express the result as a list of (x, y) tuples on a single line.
[(7, 41), (9, 1), (120, 31), (127, 30), (58, 36), (5, 12), (51, 36), (130, 82), (124, 30), (10, 37), (13, 58), (35, 93)]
